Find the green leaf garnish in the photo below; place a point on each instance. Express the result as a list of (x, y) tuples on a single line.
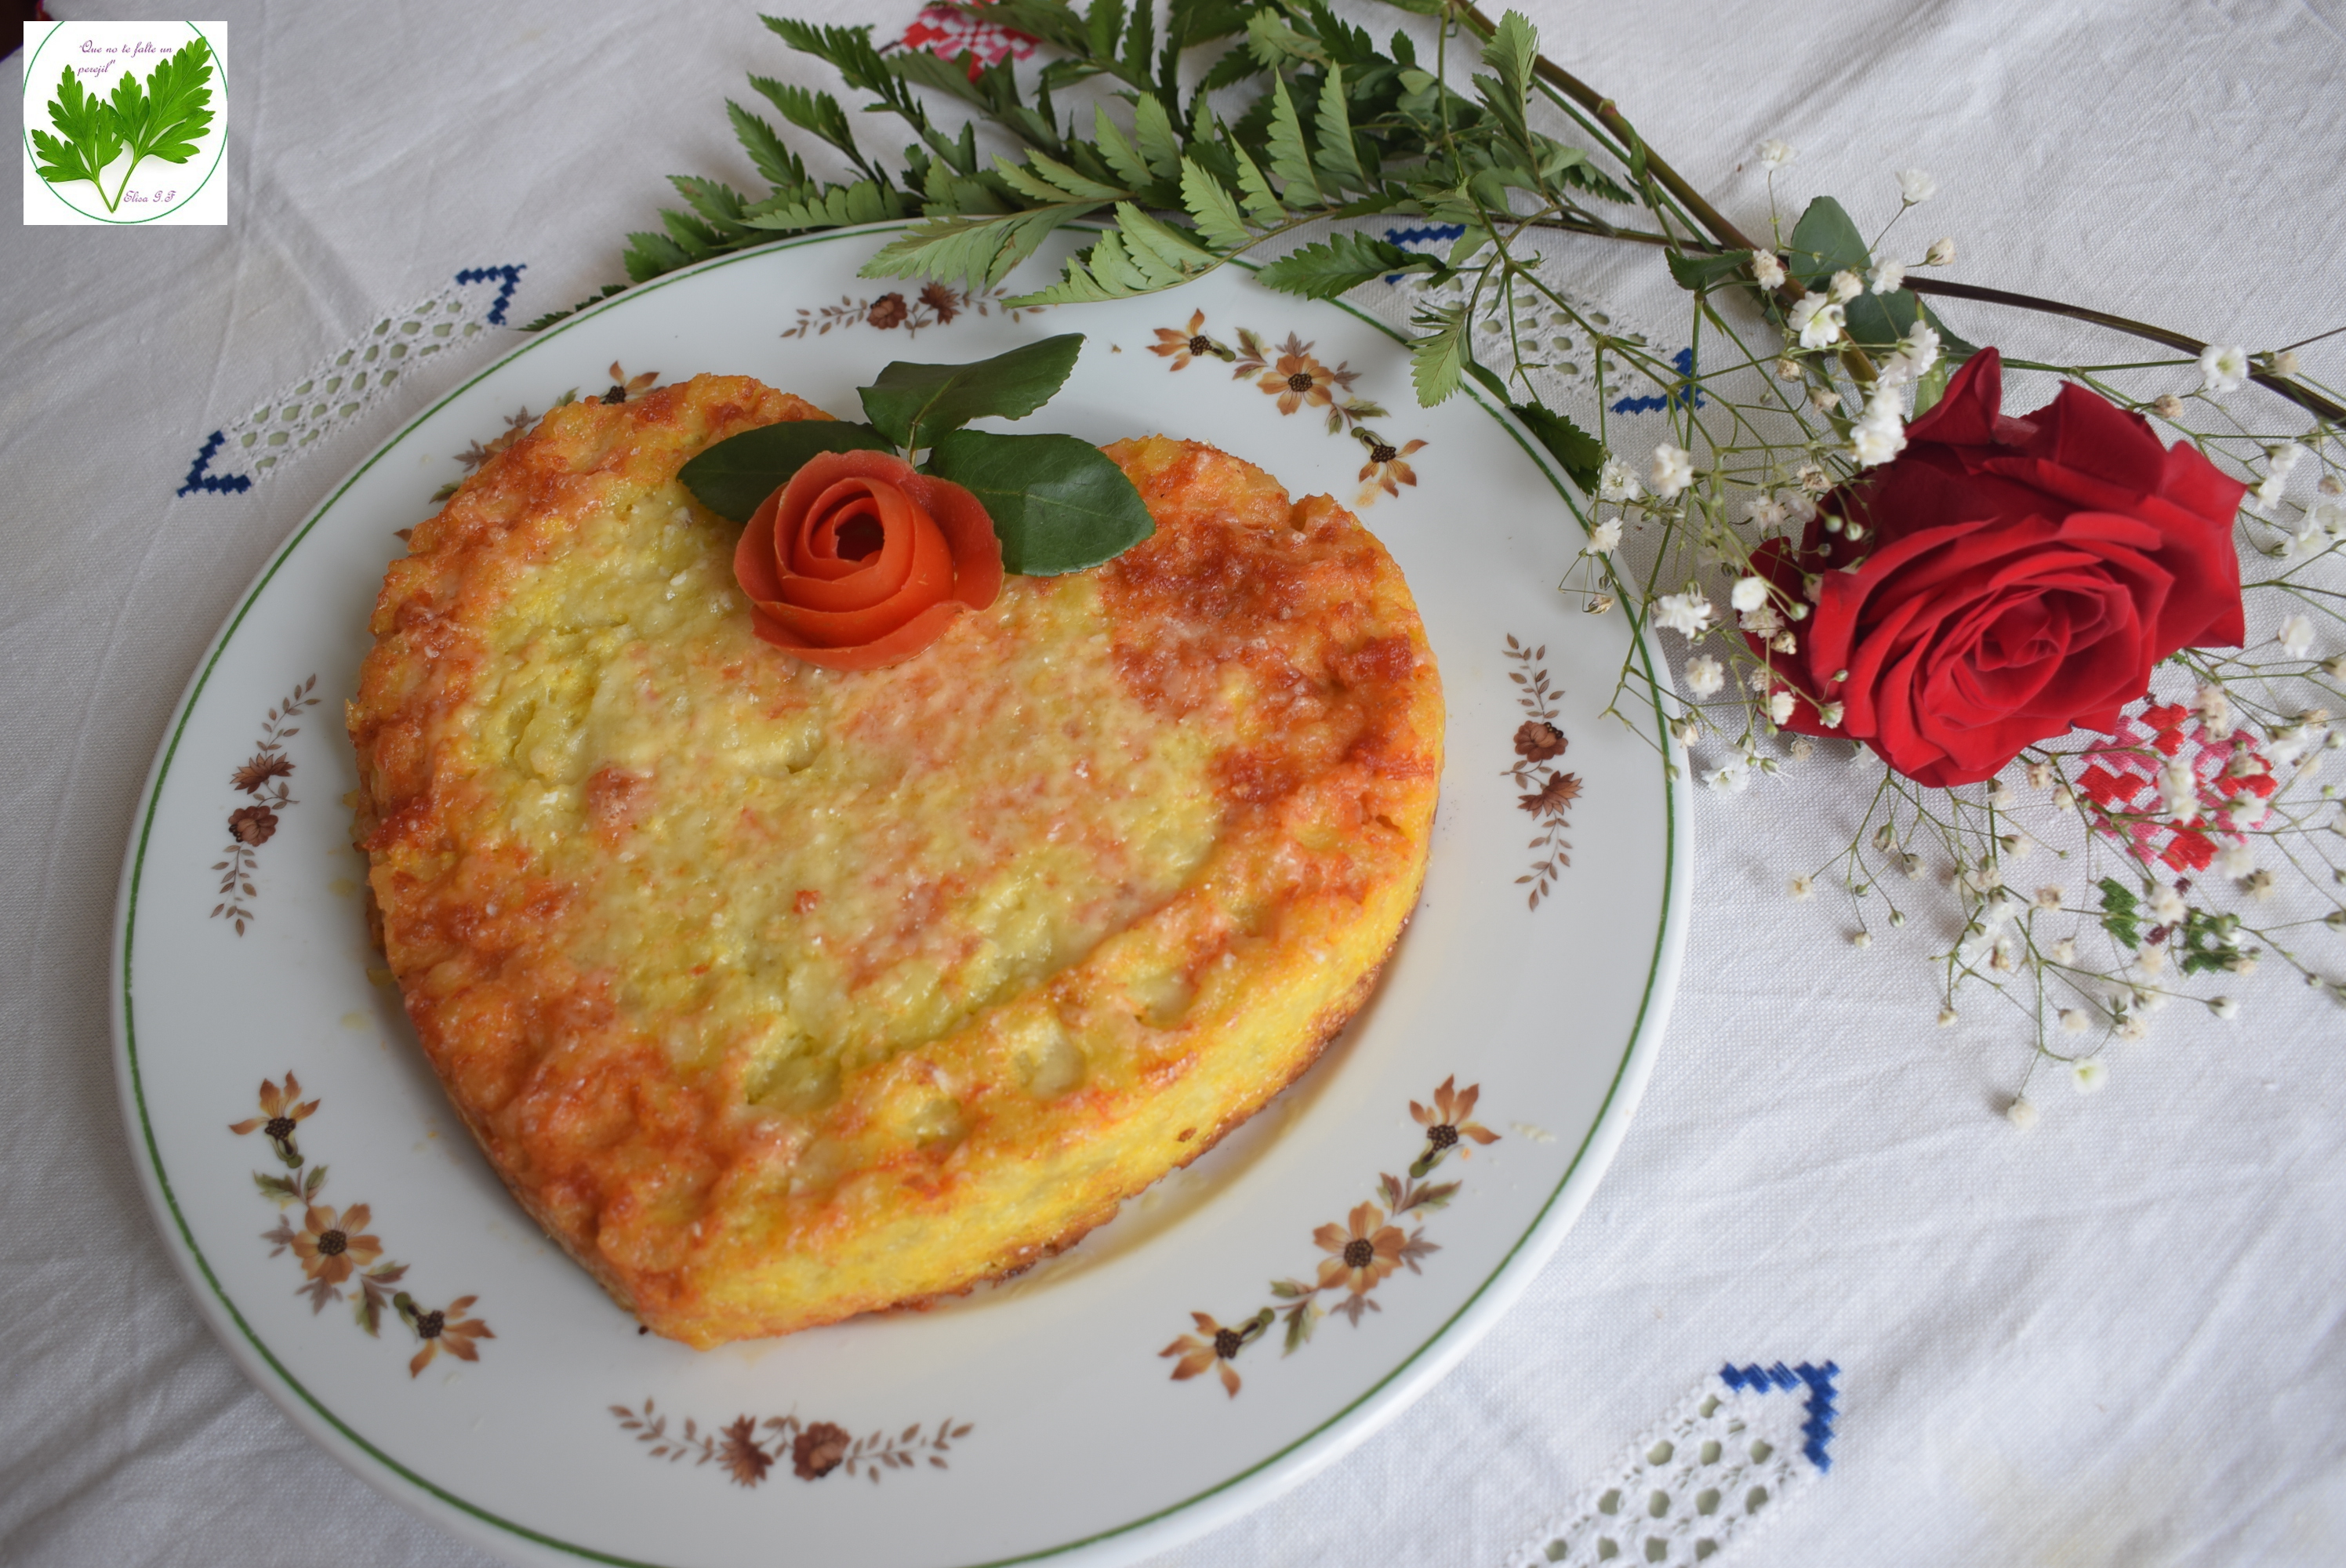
[(914, 404), (1058, 505), (1346, 260), (166, 116), (734, 477), (1825, 241)]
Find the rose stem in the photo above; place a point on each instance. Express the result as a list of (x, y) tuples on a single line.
[(1731, 238)]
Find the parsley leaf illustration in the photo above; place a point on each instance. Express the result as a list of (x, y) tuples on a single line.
[(91, 138), (164, 117)]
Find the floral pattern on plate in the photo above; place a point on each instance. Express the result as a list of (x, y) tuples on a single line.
[(1362, 1252), (1548, 791), (748, 1449), (333, 1246), (1294, 375), (263, 777)]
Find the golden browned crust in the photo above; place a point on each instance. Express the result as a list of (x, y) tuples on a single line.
[(847, 1098)]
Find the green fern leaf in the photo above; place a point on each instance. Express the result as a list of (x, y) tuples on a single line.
[(1262, 204), (1164, 254), (1291, 151), (781, 166), (1337, 157), (1121, 154), (1213, 207), (1152, 128), (1438, 359)]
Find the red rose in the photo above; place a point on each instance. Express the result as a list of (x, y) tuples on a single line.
[(2012, 579), (860, 562)]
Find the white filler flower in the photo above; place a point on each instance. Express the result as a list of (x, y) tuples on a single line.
[(1673, 471), (1914, 187), (1614, 482), (1686, 613), (1817, 320), (1749, 595), (1705, 676), (1603, 539), (1775, 154), (2222, 368), (2296, 636), (1768, 269)]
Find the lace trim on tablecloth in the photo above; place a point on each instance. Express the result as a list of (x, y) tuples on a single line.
[(1735, 1449), (345, 383)]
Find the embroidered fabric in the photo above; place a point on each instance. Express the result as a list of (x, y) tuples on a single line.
[(1563, 361), (1736, 1448), (346, 382)]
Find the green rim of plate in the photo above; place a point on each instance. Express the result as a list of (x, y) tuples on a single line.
[(1431, 1344)]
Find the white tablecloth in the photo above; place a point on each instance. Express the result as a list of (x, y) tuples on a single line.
[(2120, 1339)]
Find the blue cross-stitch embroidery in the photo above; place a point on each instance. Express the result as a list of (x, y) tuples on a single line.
[(1684, 363), (1818, 1428), (1417, 236), (512, 280), (199, 479)]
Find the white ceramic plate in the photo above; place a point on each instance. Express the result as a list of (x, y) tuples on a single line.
[(1035, 1419)]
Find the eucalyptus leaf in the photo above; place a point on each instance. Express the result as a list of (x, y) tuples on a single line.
[(1699, 272), (914, 404), (1058, 505), (1825, 241), (733, 477), (1879, 320)]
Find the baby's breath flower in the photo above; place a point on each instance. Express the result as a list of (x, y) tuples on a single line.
[(2022, 1112), (1780, 705), (1673, 471), (1767, 269), (1750, 593), (2223, 1007), (1942, 252), (1687, 614), (2064, 950), (1914, 187), (1788, 368), (2075, 1021), (1845, 286), (1815, 320), (2165, 904), (2040, 774), (1688, 730), (1829, 714), (2048, 898), (2284, 362), (2257, 884), (1614, 482), (2063, 798), (1888, 276), (1917, 351), (2241, 963), (1825, 398), (2089, 1077), (1774, 154), (2222, 368), (2296, 637), (2237, 861), (1732, 776), (1801, 888), (2214, 706), (2166, 405), (1603, 539), (1705, 676), (1999, 795), (2134, 1030), (1803, 748), (1861, 939), (1880, 433), (2335, 668)]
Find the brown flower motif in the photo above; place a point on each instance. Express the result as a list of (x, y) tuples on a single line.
[(943, 301), (1297, 379), (1361, 1255), (1188, 343), (280, 1114), (256, 774), (1215, 1346), (817, 1451), (738, 1451), (252, 825), (1446, 1120), (624, 386), (448, 1330), (1537, 741), (1386, 468), (331, 1246), (1551, 797), (887, 310)]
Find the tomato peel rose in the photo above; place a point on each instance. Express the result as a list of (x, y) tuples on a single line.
[(861, 561)]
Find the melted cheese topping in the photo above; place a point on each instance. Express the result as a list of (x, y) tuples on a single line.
[(825, 870)]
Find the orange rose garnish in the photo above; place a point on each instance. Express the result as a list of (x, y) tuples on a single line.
[(860, 562)]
